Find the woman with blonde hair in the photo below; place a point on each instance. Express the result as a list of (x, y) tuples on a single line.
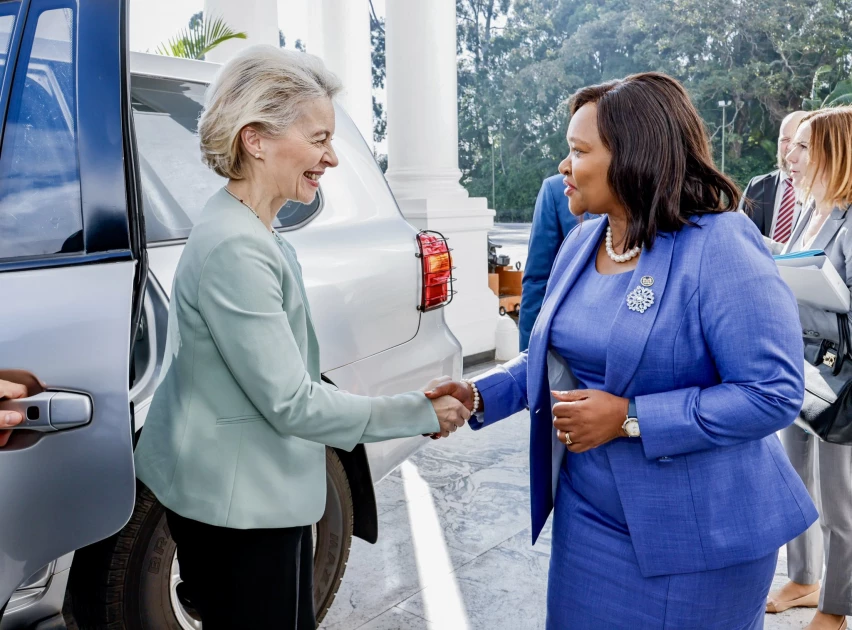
[(234, 442), (821, 165)]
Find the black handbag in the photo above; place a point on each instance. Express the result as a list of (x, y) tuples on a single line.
[(827, 408)]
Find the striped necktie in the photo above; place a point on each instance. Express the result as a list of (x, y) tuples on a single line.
[(784, 222)]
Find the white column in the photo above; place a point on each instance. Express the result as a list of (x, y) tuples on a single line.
[(340, 34), (423, 170), (257, 18)]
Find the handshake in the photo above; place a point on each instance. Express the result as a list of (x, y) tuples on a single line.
[(453, 404)]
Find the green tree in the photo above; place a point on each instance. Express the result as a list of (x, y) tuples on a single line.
[(480, 73), (761, 54), (377, 41), (520, 60), (196, 19), (199, 38)]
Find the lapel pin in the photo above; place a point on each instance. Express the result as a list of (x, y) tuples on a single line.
[(647, 281), (640, 299)]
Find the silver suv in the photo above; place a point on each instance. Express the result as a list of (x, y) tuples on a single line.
[(100, 182)]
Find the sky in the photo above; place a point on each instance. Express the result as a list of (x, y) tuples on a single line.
[(153, 22)]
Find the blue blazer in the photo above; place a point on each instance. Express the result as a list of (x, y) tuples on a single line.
[(551, 223), (715, 366)]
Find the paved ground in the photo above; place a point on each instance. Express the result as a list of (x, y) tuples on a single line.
[(454, 548)]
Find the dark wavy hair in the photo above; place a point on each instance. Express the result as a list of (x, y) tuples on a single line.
[(662, 168)]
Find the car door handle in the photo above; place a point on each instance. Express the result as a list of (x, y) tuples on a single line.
[(51, 411)]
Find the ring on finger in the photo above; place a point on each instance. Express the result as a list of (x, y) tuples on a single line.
[(568, 439)]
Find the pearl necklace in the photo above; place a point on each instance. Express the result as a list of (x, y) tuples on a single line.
[(619, 258)]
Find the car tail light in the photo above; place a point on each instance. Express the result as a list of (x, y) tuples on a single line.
[(437, 271)]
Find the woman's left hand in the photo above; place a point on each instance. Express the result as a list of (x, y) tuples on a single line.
[(589, 418)]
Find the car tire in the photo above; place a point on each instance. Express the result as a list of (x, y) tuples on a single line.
[(333, 535), (124, 582)]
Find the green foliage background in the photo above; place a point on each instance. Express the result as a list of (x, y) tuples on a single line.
[(520, 59)]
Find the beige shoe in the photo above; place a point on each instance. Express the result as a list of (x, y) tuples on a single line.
[(811, 600)]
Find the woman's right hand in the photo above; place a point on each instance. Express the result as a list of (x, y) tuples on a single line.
[(451, 414)]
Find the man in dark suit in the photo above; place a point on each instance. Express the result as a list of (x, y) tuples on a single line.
[(551, 223), (770, 199)]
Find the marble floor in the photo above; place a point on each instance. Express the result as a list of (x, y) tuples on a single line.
[(454, 548)]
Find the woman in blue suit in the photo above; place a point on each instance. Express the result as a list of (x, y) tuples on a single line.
[(666, 356)]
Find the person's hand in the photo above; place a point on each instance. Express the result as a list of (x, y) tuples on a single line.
[(451, 415), (435, 382), (589, 418), (457, 389), (10, 391), (775, 247)]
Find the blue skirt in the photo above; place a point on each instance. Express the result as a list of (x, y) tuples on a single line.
[(595, 582)]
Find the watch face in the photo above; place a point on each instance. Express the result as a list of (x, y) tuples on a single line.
[(631, 427)]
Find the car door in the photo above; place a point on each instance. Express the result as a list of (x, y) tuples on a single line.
[(71, 272)]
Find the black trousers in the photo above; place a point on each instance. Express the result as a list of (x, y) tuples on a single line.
[(246, 578)]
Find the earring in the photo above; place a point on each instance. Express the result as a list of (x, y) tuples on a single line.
[(257, 155)]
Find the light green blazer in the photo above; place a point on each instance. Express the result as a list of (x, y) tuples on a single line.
[(237, 429)]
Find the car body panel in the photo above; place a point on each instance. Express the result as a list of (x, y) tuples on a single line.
[(70, 280), (37, 600), (74, 487), (434, 352)]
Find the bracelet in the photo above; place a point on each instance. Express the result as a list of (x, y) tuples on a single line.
[(476, 397)]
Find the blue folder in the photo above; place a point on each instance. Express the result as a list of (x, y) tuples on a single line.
[(807, 254)]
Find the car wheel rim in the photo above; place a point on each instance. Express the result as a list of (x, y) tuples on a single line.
[(186, 621)]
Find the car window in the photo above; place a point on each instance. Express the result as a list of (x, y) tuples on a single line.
[(175, 183), (8, 17), (40, 202)]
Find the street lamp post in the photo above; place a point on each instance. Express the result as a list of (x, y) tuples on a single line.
[(724, 105), (493, 185)]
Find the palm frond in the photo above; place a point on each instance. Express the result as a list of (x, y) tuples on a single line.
[(194, 43), (216, 32)]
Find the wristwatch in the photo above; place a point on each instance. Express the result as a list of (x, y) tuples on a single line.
[(631, 425)]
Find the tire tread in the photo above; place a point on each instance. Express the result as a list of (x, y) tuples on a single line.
[(100, 571), (335, 467)]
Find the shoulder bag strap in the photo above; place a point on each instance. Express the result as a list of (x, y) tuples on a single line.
[(843, 342)]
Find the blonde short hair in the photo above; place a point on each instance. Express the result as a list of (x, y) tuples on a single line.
[(830, 152), (265, 87)]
